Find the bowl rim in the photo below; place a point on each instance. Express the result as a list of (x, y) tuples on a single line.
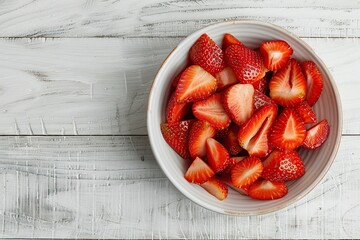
[(338, 130)]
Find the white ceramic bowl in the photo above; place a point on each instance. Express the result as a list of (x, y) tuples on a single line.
[(317, 162)]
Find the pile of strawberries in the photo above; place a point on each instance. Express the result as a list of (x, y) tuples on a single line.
[(238, 115)]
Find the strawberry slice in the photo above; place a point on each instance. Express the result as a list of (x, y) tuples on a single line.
[(230, 142), (253, 134), (232, 162), (246, 171), (316, 135), (261, 85), (226, 178), (230, 40), (238, 101), (314, 81), (218, 156), (176, 111), (225, 78), (275, 54), (289, 130), (177, 136), (195, 84), (207, 54), (283, 166), (288, 85), (245, 62), (216, 187), (266, 190), (199, 132), (175, 81), (198, 172), (261, 99), (212, 110), (306, 113)]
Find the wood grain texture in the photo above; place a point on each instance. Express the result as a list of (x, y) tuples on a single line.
[(111, 187), (160, 18), (100, 86)]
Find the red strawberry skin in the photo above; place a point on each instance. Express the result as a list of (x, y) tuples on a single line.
[(200, 131), (230, 142), (261, 85), (265, 190), (177, 136), (246, 171), (176, 111), (316, 135), (198, 172), (229, 40), (261, 100), (225, 78), (314, 80), (275, 54), (216, 187), (306, 113), (217, 155), (207, 54)]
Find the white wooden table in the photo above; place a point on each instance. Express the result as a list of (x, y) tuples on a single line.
[(75, 159)]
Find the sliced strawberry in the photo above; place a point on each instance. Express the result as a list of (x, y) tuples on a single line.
[(288, 131), (246, 171), (288, 85), (283, 166), (232, 162), (177, 136), (314, 81), (275, 54), (230, 142), (199, 172), (200, 131), (225, 78), (261, 99), (230, 40), (316, 135), (253, 134), (245, 62), (306, 113), (265, 190), (218, 156), (261, 85), (216, 187), (238, 101), (175, 81), (176, 111), (226, 178), (212, 110), (207, 54)]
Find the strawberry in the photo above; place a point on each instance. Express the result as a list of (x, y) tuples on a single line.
[(207, 54), (253, 134), (245, 62), (175, 81), (216, 187), (225, 78), (288, 131), (288, 85), (232, 162), (275, 54), (212, 110), (221, 133), (226, 178), (261, 85), (238, 101), (283, 166), (230, 40), (306, 113), (246, 171), (230, 142), (199, 132), (218, 156), (177, 136), (265, 190), (198, 172), (314, 81), (316, 135), (261, 99), (176, 111), (195, 84)]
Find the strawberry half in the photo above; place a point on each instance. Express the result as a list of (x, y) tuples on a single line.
[(283, 166), (200, 131), (288, 85), (216, 187), (176, 111), (212, 110), (195, 84), (261, 85), (253, 134), (218, 156), (316, 135), (245, 62), (207, 54), (275, 54), (198, 172), (230, 142), (261, 99), (229, 40), (246, 171), (266, 190), (306, 113), (225, 78), (289, 130), (314, 81), (238, 101), (226, 178), (177, 136)]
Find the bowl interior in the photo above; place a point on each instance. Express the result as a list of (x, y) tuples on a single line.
[(317, 162)]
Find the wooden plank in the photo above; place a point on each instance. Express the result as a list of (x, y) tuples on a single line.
[(111, 187), (160, 18), (100, 86)]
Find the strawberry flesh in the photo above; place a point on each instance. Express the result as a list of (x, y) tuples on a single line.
[(229, 40), (198, 172), (216, 187), (266, 190), (230, 142), (261, 85), (275, 54), (316, 135), (314, 81), (225, 78), (217, 155), (176, 111), (200, 131), (246, 171), (306, 113)]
